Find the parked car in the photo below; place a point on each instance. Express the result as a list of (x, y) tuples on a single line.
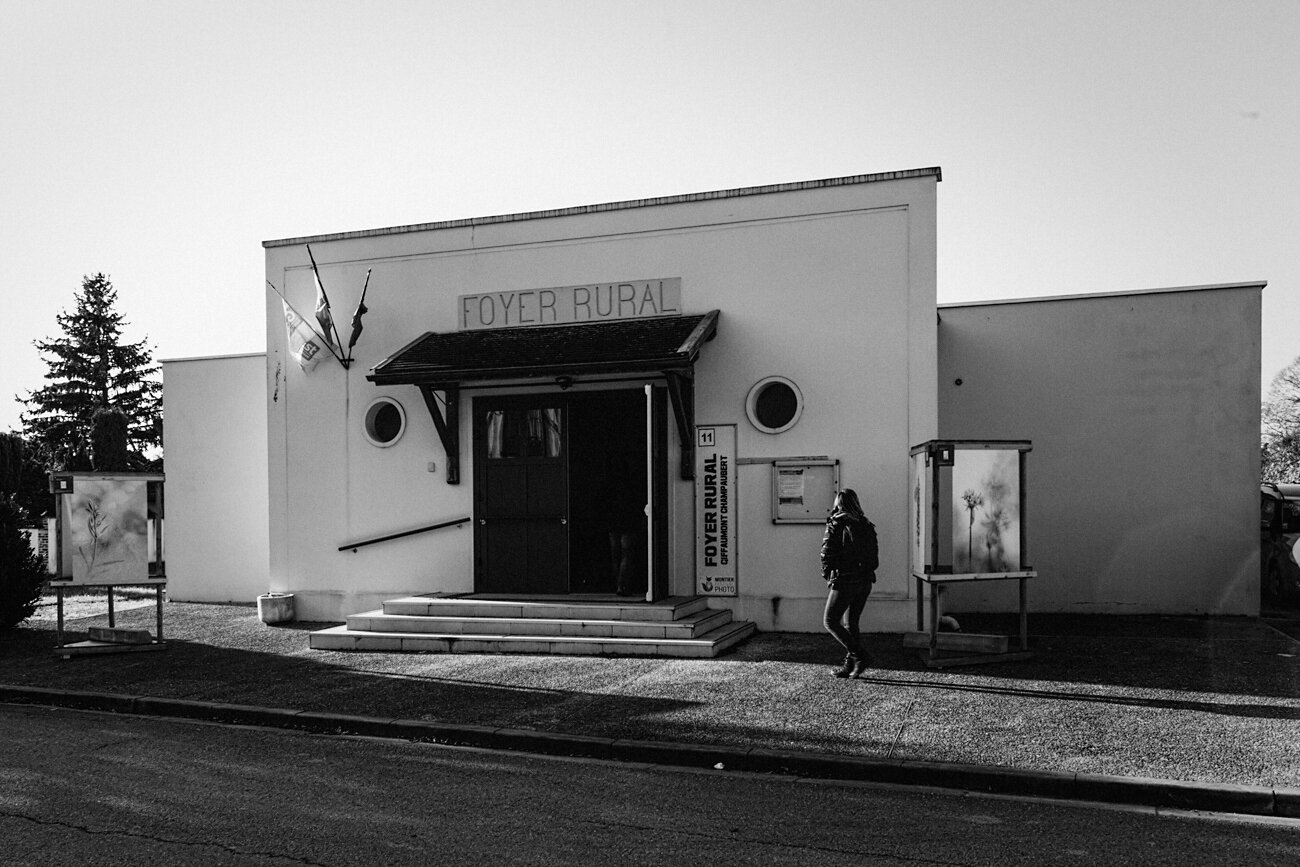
[(1279, 534)]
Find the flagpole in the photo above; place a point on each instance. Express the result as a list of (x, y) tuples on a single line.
[(356, 317), (327, 301), (306, 322)]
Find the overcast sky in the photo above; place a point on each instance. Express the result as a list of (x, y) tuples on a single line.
[(1085, 146)]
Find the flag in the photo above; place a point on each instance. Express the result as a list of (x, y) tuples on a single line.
[(323, 311), (356, 316), (303, 342), (356, 324)]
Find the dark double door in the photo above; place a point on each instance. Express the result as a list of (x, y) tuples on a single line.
[(555, 476)]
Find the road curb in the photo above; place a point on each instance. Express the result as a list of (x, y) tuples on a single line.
[(1178, 794), (992, 779)]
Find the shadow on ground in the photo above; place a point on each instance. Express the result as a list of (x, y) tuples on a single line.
[(1183, 698), (1238, 656), (254, 664)]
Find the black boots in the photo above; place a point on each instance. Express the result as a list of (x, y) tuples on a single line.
[(853, 666)]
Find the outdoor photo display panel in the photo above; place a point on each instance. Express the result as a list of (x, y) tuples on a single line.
[(986, 510), (105, 527)]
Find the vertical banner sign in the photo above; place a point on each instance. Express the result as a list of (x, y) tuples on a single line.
[(715, 510)]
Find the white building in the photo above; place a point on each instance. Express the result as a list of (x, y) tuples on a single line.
[(1143, 408), (519, 378), (217, 547)]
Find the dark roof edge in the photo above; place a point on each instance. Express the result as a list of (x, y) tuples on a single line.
[(672, 356), (703, 331), (1084, 296), (905, 174)]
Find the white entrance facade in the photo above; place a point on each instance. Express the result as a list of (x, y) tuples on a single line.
[(827, 285), (749, 349)]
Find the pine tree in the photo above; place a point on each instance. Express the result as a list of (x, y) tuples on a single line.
[(90, 368)]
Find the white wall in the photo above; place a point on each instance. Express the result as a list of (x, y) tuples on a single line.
[(214, 412), (833, 287), (1143, 410)]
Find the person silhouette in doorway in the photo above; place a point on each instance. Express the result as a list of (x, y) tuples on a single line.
[(625, 518)]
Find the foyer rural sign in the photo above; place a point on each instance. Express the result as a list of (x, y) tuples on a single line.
[(715, 510), (563, 305)]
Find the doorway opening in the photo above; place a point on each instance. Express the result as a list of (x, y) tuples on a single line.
[(608, 494), (560, 493)]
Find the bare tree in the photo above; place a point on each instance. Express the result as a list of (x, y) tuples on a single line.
[(1280, 427)]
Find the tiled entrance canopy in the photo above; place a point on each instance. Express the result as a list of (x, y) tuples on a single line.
[(667, 346), (624, 346)]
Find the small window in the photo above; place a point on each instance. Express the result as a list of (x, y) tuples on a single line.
[(528, 433), (385, 422), (774, 404)]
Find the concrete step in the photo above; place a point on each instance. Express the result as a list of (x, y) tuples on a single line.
[(707, 645), (691, 625), (594, 607)]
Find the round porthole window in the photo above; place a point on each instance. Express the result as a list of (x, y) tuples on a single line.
[(385, 422), (774, 404)]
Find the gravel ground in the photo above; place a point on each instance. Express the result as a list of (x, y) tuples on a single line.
[(1204, 699)]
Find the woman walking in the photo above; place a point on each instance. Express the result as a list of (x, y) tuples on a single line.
[(849, 555)]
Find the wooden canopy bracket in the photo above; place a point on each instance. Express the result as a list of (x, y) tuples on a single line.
[(448, 427), (681, 391)]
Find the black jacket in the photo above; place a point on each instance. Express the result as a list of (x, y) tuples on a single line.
[(850, 551)]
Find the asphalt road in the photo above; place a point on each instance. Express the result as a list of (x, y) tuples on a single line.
[(1284, 617), (99, 789)]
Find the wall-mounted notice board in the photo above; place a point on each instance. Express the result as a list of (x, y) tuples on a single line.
[(802, 490)]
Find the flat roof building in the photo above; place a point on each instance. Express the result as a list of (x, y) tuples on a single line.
[(692, 376)]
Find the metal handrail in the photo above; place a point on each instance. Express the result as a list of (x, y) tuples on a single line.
[(353, 546)]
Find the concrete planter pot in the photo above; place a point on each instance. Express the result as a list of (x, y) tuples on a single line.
[(275, 607)]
